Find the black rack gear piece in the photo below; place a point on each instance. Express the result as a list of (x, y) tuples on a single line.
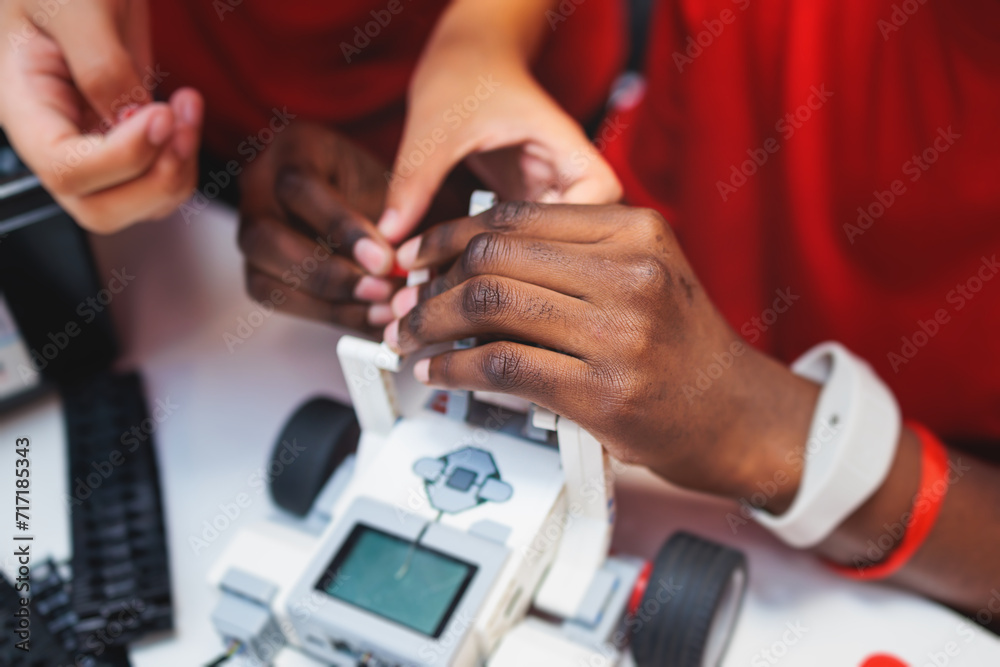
[(44, 648), (120, 588)]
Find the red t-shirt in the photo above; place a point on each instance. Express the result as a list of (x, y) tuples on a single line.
[(838, 160), (348, 63)]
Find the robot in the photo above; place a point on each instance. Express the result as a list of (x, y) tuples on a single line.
[(473, 530)]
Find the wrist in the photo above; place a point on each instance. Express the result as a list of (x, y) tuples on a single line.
[(773, 431), (854, 433), (450, 69), (501, 30), (888, 506)]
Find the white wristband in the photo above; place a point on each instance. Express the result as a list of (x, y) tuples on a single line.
[(851, 446)]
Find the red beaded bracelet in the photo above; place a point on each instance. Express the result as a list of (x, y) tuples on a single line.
[(926, 507)]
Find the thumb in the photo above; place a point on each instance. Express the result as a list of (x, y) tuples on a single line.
[(598, 185), (102, 67), (421, 166)]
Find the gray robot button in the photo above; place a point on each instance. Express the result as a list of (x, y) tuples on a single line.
[(429, 469), (474, 459), (461, 479), (495, 490)]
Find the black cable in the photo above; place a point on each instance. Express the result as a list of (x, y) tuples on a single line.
[(230, 652)]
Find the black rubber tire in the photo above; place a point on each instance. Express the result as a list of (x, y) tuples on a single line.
[(328, 431), (674, 632)]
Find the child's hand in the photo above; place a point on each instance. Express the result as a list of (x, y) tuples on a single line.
[(71, 88), (487, 109), (594, 313), (306, 212)]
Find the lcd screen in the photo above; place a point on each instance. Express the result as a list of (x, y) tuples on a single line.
[(370, 572)]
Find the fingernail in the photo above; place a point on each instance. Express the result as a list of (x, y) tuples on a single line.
[(422, 370), (404, 301), (159, 129), (388, 224), (391, 335), (379, 315), (371, 255), (407, 253), (187, 110), (370, 288)]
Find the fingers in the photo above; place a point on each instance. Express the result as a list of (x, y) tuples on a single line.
[(263, 287), (567, 268), (167, 183), (598, 185), (93, 162), (300, 227), (413, 187), (496, 306), (575, 224), (109, 181), (316, 203), (307, 264), (188, 107), (541, 376), (107, 76), (74, 164)]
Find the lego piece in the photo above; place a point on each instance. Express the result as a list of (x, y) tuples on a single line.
[(587, 538), (249, 586), (367, 367)]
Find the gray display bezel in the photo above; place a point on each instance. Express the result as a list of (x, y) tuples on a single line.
[(366, 631), (344, 555)]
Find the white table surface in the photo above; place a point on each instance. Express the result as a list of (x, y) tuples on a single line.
[(188, 292)]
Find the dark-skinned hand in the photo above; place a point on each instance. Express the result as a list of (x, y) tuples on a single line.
[(594, 313), (306, 229)]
